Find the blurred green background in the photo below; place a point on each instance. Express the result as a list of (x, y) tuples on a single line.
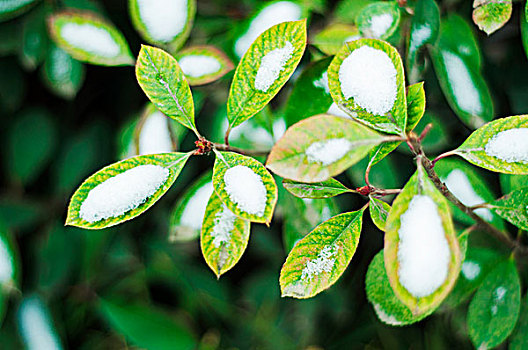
[(99, 287)]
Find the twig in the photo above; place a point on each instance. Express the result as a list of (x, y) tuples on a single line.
[(246, 152), (416, 148)]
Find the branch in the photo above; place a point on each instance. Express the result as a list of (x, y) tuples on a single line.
[(246, 152), (416, 148)]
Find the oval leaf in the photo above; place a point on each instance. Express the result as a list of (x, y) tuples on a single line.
[(203, 64), (245, 186), (163, 22), (494, 310), (188, 213), (415, 105), (491, 15), (425, 25), (224, 236), (500, 146), (514, 208), (366, 78), (320, 147), (264, 69), (379, 211), (162, 80), (124, 190), (318, 260), (63, 74), (332, 38), (33, 311), (147, 326), (90, 38), (388, 307), (379, 20), (323, 189), (422, 254)]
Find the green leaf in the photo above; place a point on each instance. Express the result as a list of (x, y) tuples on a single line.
[(425, 25), (162, 80), (13, 8), (224, 236), (128, 188), (519, 338), (477, 264), (499, 146), (188, 212), (166, 24), (469, 187), (30, 144), (203, 64), (320, 147), (62, 74), (245, 186), (514, 208), (371, 73), (146, 326), (9, 260), (422, 254), (264, 69), (415, 105), (388, 307), (302, 215), (494, 310), (524, 31), (318, 260), (34, 38), (510, 183), (323, 189), (310, 94), (89, 38), (331, 39), (491, 15), (379, 211), (347, 10), (456, 60), (379, 20)]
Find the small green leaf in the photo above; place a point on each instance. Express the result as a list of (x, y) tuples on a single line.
[(415, 105), (188, 212), (264, 69), (425, 25), (320, 147), (456, 60), (332, 38), (491, 15), (310, 94), (203, 64), (469, 187), (388, 307), (323, 189), (366, 78), (162, 80), (63, 74), (379, 211), (422, 254), (318, 260), (477, 264), (147, 326), (89, 38), (379, 20), (245, 186), (163, 23), (30, 144), (34, 38), (499, 146), (124, 190), (494, 310), (519, 338), (514, 208), (224, 236), (13, 8)]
